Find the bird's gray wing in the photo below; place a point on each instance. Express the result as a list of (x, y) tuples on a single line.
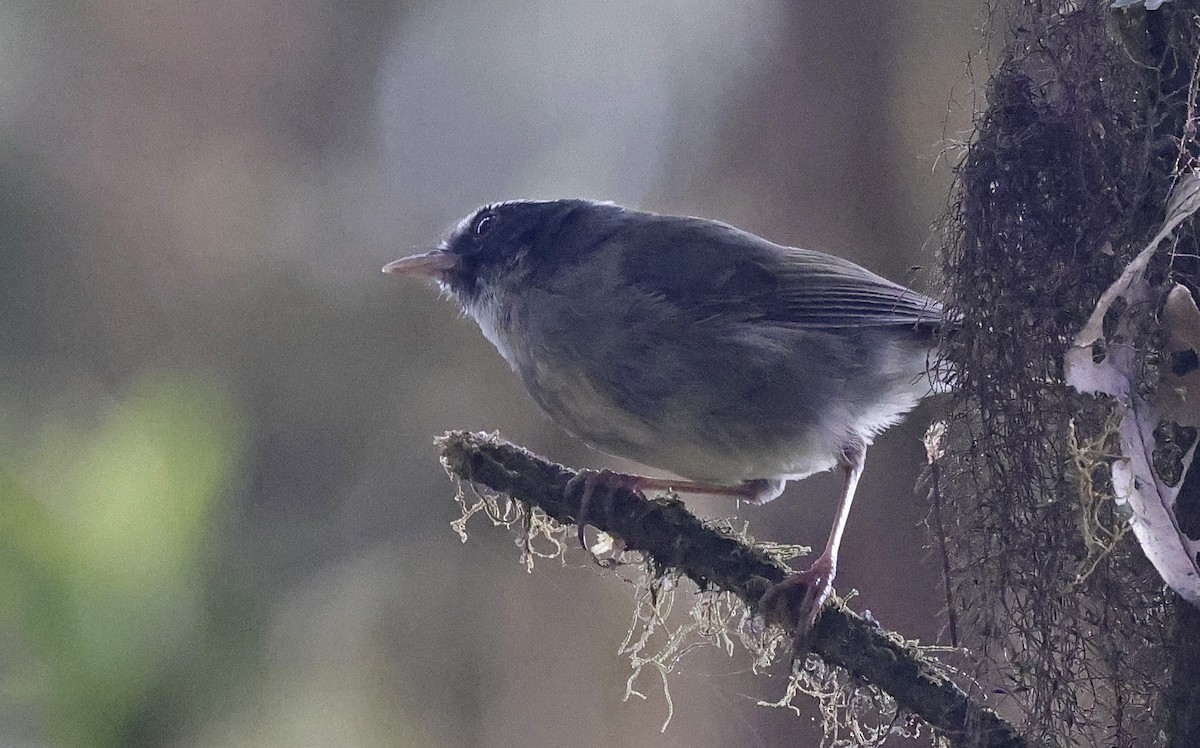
[(712, 270), (820, 290)]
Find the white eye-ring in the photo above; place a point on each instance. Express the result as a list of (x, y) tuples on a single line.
[(484, 223)]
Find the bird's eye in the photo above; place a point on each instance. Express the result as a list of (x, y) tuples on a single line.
[(484, 223)]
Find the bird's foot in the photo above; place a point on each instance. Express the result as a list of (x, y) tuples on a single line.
[(800, 597), (589, 481), (761, 490)]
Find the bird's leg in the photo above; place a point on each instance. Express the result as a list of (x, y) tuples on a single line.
[(802, 594), (758, 491), (754, 491)]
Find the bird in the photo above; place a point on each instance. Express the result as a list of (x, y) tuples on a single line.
[(694, 347)]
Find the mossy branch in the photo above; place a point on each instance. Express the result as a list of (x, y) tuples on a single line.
[(674, 538)]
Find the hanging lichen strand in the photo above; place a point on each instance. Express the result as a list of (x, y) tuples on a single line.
[(1064, 181)]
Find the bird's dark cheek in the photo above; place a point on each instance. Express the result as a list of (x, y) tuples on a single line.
[(460, 283), (515, 264)]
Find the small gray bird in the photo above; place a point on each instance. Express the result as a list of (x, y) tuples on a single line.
[(691, 346)]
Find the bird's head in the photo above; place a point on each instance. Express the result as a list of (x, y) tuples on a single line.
[(499, 247)]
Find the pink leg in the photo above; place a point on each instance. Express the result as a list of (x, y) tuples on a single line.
[(754, 491), (801, 595)]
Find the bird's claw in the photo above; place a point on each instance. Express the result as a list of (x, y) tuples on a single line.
[(589, 481), (800, 597)]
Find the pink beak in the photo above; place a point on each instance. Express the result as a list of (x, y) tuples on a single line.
[(431, 264)]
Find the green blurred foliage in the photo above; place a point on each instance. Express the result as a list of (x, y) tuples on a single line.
[(104, 524)]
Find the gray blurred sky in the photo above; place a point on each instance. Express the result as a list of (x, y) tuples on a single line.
[(210, 188)]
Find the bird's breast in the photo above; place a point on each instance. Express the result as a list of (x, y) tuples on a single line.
[(722, 403)]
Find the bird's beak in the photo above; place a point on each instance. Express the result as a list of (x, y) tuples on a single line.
[(431, 264)]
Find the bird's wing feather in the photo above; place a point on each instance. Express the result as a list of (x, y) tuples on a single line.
[(817, 289), (715, 270)]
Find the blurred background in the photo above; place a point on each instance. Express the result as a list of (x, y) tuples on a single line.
[(224, 522)]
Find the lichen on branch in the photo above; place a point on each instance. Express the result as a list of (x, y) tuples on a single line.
[(673, 539)]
